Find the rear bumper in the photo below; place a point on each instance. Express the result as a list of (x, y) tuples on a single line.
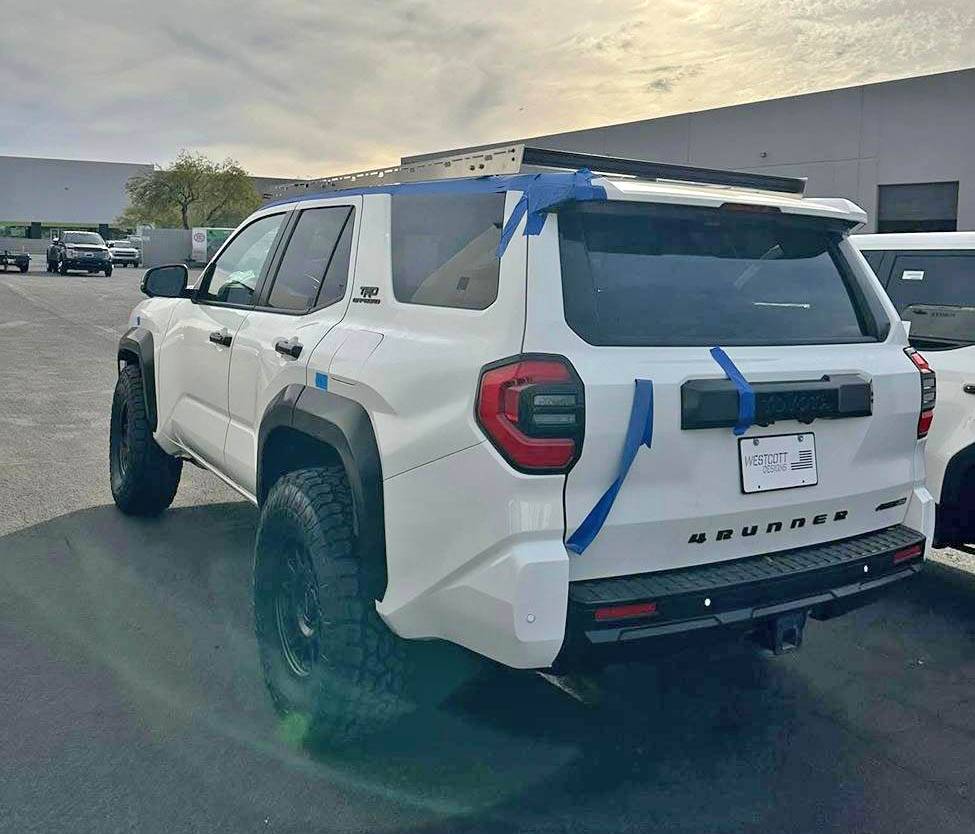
[(825, 580)]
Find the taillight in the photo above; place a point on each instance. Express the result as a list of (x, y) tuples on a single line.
[(532, 408), (929, 391)]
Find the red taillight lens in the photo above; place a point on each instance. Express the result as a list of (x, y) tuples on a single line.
[(929, 391), (532, 409), (625, 612), (911, 552)]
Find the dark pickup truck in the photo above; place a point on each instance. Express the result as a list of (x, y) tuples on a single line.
[(81, 251), (21, 260)]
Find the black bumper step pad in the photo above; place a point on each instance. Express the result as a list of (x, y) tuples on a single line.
[(825, 579)]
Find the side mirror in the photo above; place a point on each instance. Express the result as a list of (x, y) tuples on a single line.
[(166, 281)]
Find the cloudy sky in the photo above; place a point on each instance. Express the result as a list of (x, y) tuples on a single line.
[(308, 87)]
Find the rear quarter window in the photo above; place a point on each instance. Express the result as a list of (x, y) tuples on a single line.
[(933, 278), (444, 249), (649, 274)]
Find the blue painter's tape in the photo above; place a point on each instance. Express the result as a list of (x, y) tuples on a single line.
[(746, 396), (541, 193), (639, 432), (321, 380)]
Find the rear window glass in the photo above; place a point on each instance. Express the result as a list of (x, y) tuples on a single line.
[(445, 249), (935, 291), (933, 278), (675, 275)]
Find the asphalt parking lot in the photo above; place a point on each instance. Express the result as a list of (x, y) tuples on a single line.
[(130, 696)]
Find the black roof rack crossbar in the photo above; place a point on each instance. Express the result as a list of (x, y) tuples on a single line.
[(551, 158)]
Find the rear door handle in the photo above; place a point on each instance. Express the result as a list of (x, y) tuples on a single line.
[(288, 347), (221, 337), (968, 389)]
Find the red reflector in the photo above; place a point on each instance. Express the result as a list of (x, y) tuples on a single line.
[(924, 423), (626, 612), (908, 553)]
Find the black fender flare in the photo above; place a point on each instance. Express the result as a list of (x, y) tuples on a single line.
[(136, 346), (344, 426), (953, 483)]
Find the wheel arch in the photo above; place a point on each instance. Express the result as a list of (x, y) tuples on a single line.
[(136, 348), (303, 427)]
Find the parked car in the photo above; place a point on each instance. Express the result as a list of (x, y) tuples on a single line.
[(930, 277), (124, 253), (555, 418), (21, 260), (80, 251)]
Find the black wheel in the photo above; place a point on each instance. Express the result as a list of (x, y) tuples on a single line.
[(108, 272), (23, 269), (144, 478), (329, 661), (63, 267)]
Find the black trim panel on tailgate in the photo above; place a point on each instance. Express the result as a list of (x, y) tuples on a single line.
[(713, 403), (825, 579)]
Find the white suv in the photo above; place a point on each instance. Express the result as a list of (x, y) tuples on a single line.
[(930, 278), (556, 418)]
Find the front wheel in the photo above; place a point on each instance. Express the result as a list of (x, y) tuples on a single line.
[(144, 478), (23, 269), (108, 272), (329, 661), (63, 267)]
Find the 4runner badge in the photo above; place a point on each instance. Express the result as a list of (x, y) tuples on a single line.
[(771, 527), (367, 295)]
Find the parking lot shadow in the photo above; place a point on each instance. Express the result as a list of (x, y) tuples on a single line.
[(129, 643)]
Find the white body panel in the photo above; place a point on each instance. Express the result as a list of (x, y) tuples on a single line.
[(193, 375)]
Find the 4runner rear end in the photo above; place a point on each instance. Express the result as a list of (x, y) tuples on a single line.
[(668, 304)]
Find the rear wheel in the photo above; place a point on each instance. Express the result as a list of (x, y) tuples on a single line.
[(63, 267), (23, 268), (144, 478), (329, 661)]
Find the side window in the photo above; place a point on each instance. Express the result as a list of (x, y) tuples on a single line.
[(874, 257), (444, 249), (943, 278), (315, 268), (233, 277)]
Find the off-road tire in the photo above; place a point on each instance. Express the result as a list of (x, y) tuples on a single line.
[(108, 272), (357, 669), (144, 478), (23, 269)]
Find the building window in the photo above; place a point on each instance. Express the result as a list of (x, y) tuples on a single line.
[(918, 207)]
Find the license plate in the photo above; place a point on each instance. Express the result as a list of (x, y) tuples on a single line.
[(780, 461)]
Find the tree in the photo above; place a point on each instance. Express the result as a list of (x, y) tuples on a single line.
[(192, 191)]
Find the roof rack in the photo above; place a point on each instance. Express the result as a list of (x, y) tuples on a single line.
[(511, 159)]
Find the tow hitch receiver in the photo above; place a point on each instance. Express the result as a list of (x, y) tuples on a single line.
[(783, 634)]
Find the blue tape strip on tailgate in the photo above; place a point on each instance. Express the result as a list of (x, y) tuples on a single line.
[(638, 432), (746, 396)]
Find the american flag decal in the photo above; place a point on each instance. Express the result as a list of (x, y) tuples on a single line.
[(805, 460)]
